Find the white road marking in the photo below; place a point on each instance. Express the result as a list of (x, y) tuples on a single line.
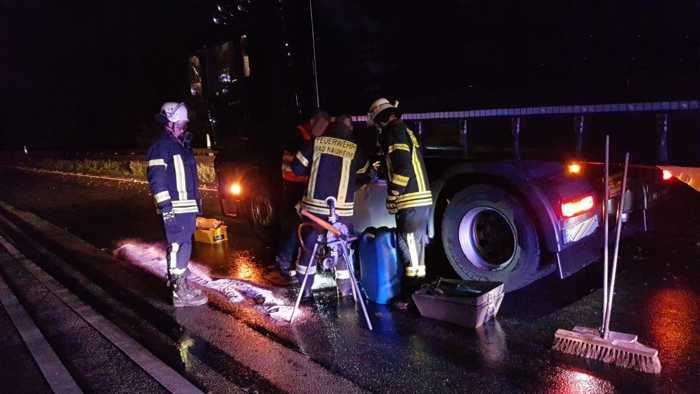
[(55, 373), (166, 376)]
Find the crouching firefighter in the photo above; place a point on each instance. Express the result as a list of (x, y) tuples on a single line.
[(332, 163), (172, 176), (409, 196)]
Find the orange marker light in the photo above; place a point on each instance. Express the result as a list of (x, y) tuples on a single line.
[(235, 189), (573, 208), (574, 168)]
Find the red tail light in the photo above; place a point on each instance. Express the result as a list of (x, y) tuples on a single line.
[(577, 207), (666, 175)]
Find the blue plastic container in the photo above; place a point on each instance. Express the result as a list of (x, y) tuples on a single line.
[(380, 272)]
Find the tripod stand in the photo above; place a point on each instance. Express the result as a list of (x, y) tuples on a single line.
[(336, 240)]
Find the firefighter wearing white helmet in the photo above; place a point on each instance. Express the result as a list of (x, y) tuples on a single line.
[(409, 196), (172, 176)]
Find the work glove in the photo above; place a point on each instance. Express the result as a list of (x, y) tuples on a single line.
[(391, 202), (169, 222)]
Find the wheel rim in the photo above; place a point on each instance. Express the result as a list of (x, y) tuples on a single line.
[(261, 211), (487, 238)]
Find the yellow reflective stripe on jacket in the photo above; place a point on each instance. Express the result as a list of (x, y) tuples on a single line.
[(321, 208), (363, 169), (313, 176), (413, 138), (344, 179), (400, 180), (344, 212), (413, 200), (395, 147), (322, 204), (420, 179), (414, 204), (414, 195), (415, 161)]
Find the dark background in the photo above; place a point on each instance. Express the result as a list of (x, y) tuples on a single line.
[(92, 74), (468, 54)]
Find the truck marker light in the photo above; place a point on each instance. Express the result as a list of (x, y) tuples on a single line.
[(574, 168), (666, 175), (235, 189), (573, 208)]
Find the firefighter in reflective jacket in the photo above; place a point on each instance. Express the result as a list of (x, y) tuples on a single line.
[(409, 196), (294, 187), (172, 176), (332, 163)]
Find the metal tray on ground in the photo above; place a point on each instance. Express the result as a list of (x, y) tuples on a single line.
[(466, 303)]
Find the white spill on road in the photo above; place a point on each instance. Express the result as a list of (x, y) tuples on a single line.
[(151, 257)]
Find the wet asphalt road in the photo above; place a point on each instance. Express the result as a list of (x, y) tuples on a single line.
[(656, 299)]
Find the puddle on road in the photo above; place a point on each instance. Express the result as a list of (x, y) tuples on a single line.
[(571, 381), (674, 324)]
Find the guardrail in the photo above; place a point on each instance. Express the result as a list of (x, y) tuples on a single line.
[(124, 154), (662, 108)]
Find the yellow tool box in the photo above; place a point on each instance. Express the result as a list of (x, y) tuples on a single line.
[(210, 231)]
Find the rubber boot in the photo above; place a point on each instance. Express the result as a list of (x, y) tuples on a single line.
[(193, 289), (184, 295)]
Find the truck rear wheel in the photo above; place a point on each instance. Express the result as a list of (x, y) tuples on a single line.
[(488, 235)]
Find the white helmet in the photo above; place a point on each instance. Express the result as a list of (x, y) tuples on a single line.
[(377, 107), (174, 112)]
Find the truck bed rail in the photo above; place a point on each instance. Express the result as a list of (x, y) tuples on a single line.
[(655, 106)]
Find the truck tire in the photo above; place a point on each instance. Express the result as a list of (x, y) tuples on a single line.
[(488, 235)]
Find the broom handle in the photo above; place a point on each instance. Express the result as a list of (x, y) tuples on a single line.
[(606, 230), (616, 253)]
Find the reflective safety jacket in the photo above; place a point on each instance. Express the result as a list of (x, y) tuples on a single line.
[(303, 137), (332, 163), (172, 175), (408, 180)]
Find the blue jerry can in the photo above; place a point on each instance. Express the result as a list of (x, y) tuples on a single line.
[(379, 266)]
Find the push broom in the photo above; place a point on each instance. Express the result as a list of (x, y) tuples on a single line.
[(602, 344)]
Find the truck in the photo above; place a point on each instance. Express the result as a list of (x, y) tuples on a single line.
[(513, 200)]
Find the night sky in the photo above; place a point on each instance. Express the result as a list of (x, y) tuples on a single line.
[(92, 74), (472, 54)]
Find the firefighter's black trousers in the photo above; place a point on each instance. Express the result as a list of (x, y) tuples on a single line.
[(412, 227), (288, 242), (180, 243)]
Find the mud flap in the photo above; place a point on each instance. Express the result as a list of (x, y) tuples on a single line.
[(579, 255)]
